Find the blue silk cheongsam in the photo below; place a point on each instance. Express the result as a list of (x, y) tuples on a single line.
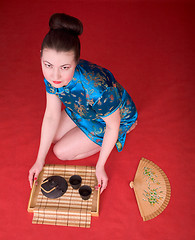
[(91, 95)]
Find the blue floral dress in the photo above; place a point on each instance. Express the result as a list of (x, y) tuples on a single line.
[(91, 95)]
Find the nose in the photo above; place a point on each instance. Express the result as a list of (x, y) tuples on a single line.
[(56, 74)]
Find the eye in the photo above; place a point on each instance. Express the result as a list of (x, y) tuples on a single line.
[(65, 68), (48, 65)]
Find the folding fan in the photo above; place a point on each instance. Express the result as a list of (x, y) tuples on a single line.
[(152, 189)]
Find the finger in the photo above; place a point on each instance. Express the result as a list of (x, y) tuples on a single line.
[(98, 186), (104, 185), (99, 182), (30, 178), (36, 177), (102, 189)]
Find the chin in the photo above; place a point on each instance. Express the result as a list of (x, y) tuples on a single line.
[(57, 85)]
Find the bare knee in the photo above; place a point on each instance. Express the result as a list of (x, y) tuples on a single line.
[(62, 153)]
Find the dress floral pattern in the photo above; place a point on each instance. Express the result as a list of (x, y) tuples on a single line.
[(91, 95)]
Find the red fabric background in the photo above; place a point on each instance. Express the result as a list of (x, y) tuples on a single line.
[(149, 47)]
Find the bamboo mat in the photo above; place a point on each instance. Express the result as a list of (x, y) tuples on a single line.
[(70, 209)]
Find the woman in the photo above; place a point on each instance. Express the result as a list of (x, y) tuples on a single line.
[(98, 110)]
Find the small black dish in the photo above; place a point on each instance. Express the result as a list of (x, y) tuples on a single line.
[(85, 192), (75, 181), (54, 187)]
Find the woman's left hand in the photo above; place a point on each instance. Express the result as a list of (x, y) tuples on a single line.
[(102, 178)]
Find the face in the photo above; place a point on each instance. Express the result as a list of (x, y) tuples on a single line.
[(58, 67)]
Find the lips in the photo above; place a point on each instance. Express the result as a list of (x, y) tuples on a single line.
[(57, 82)]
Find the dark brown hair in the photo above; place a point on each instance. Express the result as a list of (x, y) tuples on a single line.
[(63, 34)]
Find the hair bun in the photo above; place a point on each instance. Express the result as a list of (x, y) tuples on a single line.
[(66, 22)]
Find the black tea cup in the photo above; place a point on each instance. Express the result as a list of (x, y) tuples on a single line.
[(75, 181), (85, 192)]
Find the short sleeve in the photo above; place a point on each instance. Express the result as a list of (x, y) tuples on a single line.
[(49, 88), (109, 102)]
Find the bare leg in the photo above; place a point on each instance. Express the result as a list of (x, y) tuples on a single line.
[(75, 145), (70, 142), (132, 127), (65, 125)]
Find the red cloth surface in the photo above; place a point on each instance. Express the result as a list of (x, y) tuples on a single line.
[(149, 47)]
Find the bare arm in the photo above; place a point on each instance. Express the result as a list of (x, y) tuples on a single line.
[(110, 138), (49, 127)]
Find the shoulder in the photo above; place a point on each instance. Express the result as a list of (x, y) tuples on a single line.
[(92, 67), (95, 75)]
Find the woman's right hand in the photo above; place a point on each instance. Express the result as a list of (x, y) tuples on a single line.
[(34, 172)]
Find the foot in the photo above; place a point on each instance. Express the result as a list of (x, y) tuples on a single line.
[(132, 127)]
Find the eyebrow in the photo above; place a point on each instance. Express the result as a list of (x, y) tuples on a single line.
[(60, 66)]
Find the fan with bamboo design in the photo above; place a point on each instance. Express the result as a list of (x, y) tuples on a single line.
[(152, 189)]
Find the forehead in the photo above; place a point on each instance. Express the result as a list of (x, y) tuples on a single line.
[(57, 58)]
